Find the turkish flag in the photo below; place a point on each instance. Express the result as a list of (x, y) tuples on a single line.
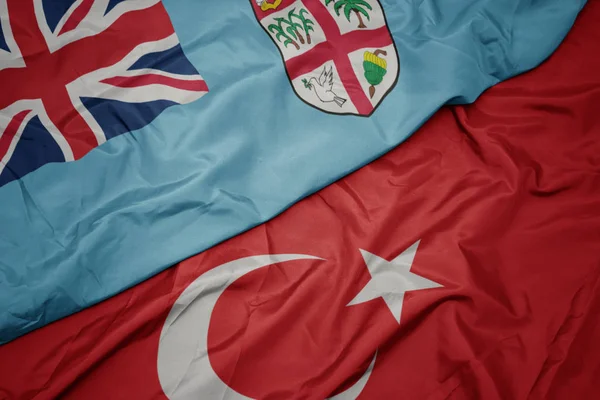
[(465, 264)]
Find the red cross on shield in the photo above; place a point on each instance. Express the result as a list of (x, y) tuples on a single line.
[(339, 54)]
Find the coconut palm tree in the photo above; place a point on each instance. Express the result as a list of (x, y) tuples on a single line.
[(357, 6)]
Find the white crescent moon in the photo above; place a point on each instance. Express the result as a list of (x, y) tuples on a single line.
[(184, 369)]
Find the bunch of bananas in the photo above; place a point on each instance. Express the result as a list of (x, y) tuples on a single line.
[(375, 68)]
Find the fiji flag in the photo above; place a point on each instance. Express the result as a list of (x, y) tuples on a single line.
[(302, 92)]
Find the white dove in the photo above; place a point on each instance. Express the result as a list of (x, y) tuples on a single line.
[(322, 87)]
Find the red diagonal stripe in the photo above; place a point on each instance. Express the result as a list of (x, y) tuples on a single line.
[(153, 79), (130, 29), (70, 123), (11, 130), (77, 16)]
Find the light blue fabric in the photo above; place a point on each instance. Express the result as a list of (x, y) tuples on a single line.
[(73, 234)]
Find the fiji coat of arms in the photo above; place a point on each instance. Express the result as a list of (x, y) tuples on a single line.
[(339, 54)]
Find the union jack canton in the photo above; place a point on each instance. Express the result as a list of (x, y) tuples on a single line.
[(75, 73)]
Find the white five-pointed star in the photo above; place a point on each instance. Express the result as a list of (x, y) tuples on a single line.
[(391, 279)]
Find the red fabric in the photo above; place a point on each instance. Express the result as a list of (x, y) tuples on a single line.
[(505, 197)]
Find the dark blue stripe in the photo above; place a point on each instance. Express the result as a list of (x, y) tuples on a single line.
[(54, 11), (117, 117), (172, 60), (111, 5), (3, 44), (35, 148)]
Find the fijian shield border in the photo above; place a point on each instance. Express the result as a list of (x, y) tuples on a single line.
[(387, 92)]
